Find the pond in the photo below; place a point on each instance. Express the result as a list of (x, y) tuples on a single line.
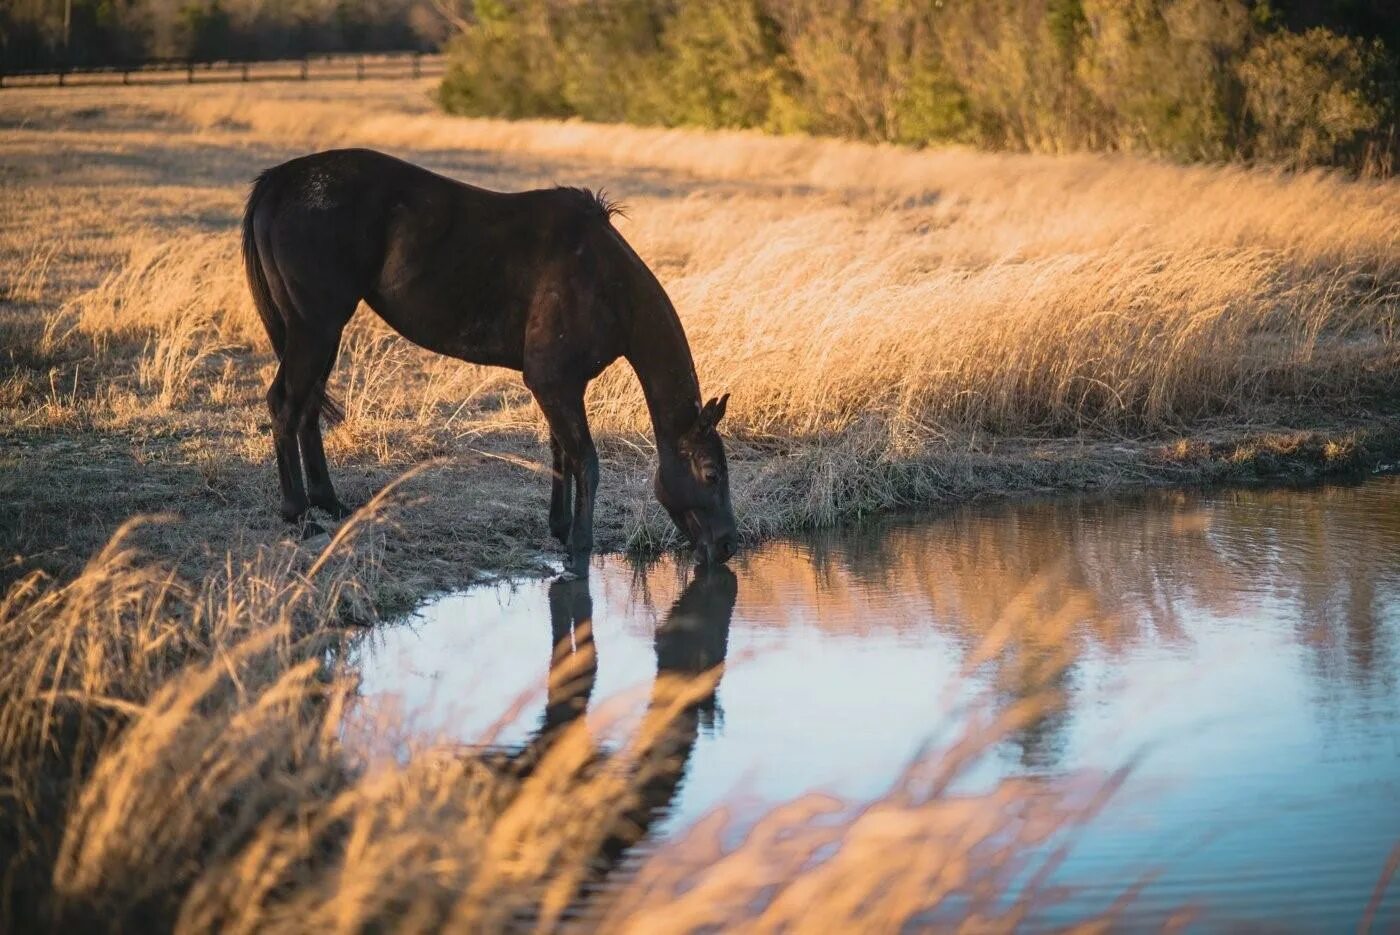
[(1239, 648)]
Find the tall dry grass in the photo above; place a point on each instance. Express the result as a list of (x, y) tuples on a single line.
[(898, 328), (177, 757), (1098, 271), (174, 748), (871, 308)]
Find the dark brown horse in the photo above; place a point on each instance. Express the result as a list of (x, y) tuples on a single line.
[(537, 281)]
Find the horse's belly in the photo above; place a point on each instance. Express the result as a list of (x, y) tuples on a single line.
[(468, 335)]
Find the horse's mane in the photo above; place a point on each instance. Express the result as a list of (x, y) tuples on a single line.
[(598, 202)]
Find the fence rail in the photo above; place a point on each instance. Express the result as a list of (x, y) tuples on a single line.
[(339, 65)]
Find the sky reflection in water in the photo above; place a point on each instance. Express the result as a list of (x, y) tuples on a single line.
[(1245, 643)]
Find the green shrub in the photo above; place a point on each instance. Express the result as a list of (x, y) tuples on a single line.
[(725, 66), (871, 69), (1160, 72), (507, 65), (1013, 60), (1313, 98), (931, 107), (609, 54), (1184, 79)]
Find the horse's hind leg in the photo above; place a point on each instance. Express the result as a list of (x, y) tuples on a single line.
[(300, 385), (321, 306), (319, 489), (285, 443)]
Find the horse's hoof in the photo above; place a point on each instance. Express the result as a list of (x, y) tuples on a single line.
[(311, 529), (294, 513), (336, 510)]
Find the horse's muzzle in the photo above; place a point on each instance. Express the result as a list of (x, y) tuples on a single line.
[(709, 548), (724, 548), (718, 550)]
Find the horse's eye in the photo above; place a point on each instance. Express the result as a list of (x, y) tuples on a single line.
[(709, 475)]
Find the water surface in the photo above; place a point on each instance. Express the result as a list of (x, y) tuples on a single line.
[(1242, 645)]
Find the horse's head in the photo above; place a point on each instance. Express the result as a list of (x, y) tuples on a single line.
[(692, 483)]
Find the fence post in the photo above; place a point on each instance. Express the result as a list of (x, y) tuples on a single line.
[(245, 72), (303, 68), (359, 68), (417, 64), (61, 69), (189, 72), (126, 76)]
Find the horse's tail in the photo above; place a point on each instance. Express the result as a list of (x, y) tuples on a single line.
[(331, 410), (267, 308)]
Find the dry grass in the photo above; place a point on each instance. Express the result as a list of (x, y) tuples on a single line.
[(937, 292), (205, 783), (898, 328)]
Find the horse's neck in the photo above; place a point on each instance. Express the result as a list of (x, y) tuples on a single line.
[(660, 356)]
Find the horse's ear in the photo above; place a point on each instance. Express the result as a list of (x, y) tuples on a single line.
[(712, 413)]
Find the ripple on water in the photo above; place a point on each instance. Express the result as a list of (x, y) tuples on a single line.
[(1245, 642)]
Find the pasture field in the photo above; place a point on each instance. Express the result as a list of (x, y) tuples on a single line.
[(899, 330)]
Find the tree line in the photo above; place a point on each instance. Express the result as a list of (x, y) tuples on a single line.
[(1296, 82), (49, 33)]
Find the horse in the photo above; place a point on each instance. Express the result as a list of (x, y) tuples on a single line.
[(537, 281)]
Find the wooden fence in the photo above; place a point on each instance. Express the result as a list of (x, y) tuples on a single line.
[(347, 66)]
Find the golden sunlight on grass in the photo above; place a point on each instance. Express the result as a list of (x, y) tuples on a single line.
[(934, 292), (897, 327)]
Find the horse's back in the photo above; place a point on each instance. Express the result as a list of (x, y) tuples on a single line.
[(454, 268), (333, 210)]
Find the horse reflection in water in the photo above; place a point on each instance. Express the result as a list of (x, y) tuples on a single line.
[(690, 643)]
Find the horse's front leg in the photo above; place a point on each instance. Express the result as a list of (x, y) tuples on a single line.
[(562, 404), (586, 493), (561, 494)]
